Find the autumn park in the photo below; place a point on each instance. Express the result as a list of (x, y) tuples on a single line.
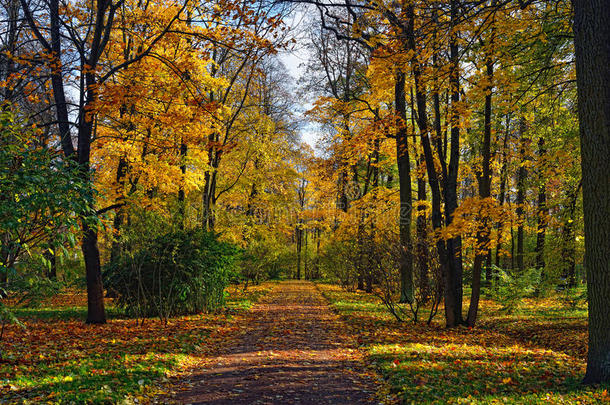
[(304, 202)]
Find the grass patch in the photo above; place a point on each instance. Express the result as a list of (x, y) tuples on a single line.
[(534, 356), (59, 359)]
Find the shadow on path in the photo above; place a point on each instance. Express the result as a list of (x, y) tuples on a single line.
[(294, 353)]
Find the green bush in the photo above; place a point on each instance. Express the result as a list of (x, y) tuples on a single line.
[(337, 261), (181, 272), (265, 257), (41, 197), (512, 286)]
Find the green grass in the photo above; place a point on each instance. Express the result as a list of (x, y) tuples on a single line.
[(62, 313), (59, 359), (530, 357)]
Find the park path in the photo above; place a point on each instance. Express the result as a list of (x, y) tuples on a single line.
[(295, 352)]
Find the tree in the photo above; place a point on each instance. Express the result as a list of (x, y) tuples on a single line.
[(60, 32), (592, 46)]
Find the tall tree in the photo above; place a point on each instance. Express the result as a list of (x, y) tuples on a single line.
[(64, 34), (592, 46)]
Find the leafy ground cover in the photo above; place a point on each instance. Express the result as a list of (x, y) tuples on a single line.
[(533, 356), (59, 359)]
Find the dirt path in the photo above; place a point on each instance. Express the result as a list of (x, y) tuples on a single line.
[(294, 353)]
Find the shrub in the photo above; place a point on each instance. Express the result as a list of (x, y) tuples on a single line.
[(338, 260), (40, 196), (265, 257), (181, 272), (512, 287)]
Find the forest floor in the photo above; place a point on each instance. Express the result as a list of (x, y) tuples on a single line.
[(297, 342), (531, 356), (294, 351), (57, 358)]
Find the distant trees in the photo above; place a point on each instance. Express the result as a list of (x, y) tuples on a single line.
[(478, 89)]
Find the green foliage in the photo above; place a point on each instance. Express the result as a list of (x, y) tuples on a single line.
[(40, 194), (143, 228), (265, 258), (512, 287), (34, 289), (574, 297), (181, 272), (338, 259)]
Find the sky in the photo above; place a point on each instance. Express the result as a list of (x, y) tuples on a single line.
[(293, 59)]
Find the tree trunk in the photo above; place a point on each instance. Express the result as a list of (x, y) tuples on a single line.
[(422, 241), (209, 188), (484, 180), (119, 216), (306, 262), (520, 201), (372, 273), (95, 290), (592, 44), (51, 257), (91, 253), (299, 238), (452, 293), (361, 253), (454, 245), (404, 180), (181, 195), (502, 194), (542, 211), (8, 67), (422, 253), (568, 250)]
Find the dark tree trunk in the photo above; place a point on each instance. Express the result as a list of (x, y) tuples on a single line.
[(299, 238), (181, 195), (422, 253), (520, 202), (542, 210), (452, 291), (360, 268), (373, 263), (119, 216), (305, 261), (502, 194), (4, 256), (8, 66), (484, 180), (51, 257), (488, 275), (81, 155), (95, 290), (91, 253), (209, 188), (454, 245), (568, 249), (404, 179), (422, 241), (592, 44)]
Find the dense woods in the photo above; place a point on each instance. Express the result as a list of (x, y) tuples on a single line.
[(447, 159)]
